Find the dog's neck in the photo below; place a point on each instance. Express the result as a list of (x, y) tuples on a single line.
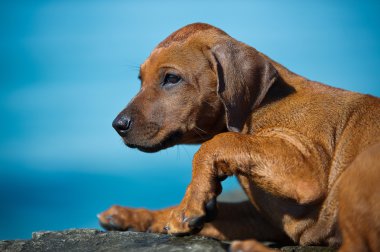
[(286, 84), (290, 78)]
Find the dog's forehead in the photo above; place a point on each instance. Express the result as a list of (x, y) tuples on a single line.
[(163, 57), (175, 55), (186, 32), (176, 49)]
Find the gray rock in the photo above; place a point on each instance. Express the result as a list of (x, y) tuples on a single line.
[(94, 240), (306, 249)]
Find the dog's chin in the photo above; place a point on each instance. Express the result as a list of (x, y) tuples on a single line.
[(169, 141)]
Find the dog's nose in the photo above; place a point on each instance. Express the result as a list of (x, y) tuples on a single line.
[(122, 124)]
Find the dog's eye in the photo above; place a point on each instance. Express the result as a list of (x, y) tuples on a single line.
[(171, 79)]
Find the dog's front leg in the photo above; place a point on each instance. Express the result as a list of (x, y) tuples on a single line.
[(136, 219), (278, 165), (199, 203)]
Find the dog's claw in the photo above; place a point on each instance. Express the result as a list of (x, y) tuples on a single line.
[(109, 223), (211, 210), (196, 224), (191, 222)]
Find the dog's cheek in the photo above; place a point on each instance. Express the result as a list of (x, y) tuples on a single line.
[(179, 107)]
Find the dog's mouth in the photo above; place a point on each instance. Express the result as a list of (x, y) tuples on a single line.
[(169, 141)]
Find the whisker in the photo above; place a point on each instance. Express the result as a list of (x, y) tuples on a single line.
[(187, 153), (200, 135), (178, 153), (211, 105), (201, 129), (131, 66)]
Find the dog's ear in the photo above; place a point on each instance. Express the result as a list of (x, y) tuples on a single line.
[(244, 77)]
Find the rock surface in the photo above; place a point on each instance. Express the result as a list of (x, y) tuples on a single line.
[(95, 240)]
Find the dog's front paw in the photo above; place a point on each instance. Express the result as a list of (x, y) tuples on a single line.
[(123, 219), (189, 217)]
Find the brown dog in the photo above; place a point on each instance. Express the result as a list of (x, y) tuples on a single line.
[(304, 153)]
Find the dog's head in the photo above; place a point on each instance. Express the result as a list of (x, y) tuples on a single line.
[(196, 83)]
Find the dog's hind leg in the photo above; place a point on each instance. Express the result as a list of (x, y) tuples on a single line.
[(241, 221), (359, 203)]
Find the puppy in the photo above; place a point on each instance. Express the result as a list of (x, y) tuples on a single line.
[(307, 155)]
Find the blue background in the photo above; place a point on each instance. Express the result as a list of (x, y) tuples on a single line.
[(68, 67)]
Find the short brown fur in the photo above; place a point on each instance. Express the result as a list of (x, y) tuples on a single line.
[(297, 147)]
